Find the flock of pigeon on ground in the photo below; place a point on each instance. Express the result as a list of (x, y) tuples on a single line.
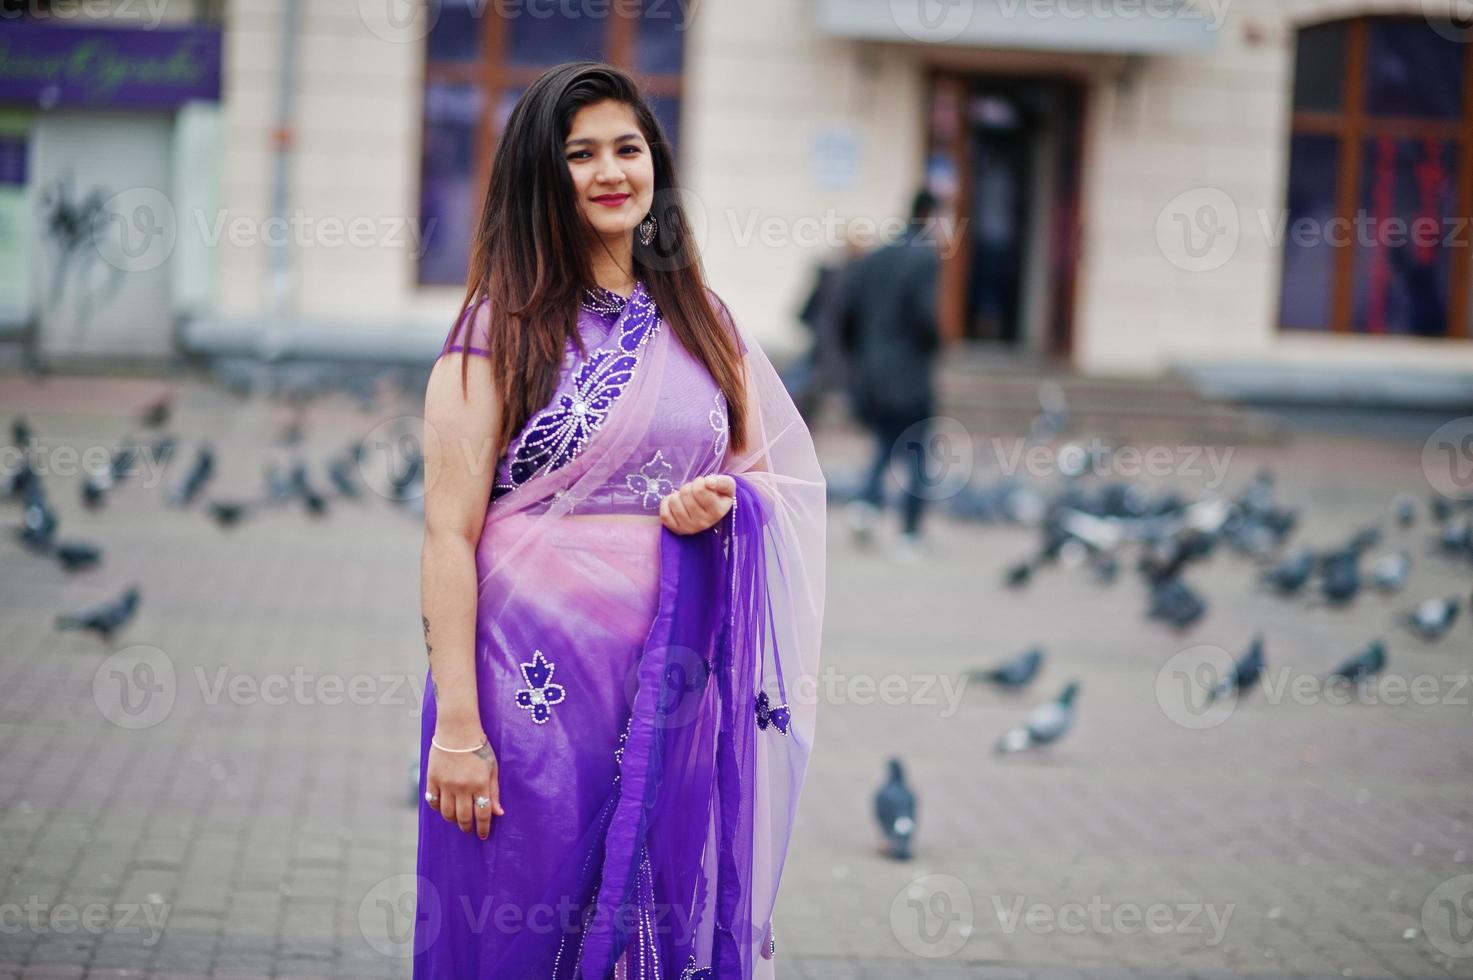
[(1093, 527), (1080, 526), (22, 482)]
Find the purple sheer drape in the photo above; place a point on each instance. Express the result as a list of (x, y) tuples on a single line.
[(648, 813)]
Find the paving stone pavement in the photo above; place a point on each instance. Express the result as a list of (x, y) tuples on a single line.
[(248, 814)]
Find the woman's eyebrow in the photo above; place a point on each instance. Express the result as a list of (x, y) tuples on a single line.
[(593, 142)]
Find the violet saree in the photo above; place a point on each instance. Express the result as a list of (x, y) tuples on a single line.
[(649, 695)]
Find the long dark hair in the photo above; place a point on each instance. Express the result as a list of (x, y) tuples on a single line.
[(529, 258)]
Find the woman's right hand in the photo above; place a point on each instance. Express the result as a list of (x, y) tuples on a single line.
[(455, 779)]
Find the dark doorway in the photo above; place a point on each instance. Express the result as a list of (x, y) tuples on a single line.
[(1006, 152)]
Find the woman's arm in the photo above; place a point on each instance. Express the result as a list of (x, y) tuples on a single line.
[(459, 469)]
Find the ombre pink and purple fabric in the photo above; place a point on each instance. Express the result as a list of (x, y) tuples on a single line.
[(649, 695)]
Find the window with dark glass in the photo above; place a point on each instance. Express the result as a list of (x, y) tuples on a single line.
[(480, 55), (1380, 180)]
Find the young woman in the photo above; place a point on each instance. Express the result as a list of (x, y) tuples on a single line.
[(622, 611)]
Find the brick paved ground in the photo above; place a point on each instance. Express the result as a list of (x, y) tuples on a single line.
[(232, 827)]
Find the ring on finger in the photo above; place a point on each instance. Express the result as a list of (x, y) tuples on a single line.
[(482, 802), (431, 798)]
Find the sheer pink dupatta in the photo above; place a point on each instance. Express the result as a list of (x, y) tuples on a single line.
[(781, 464)]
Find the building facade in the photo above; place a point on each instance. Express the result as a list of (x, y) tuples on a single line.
[(1275, 191)]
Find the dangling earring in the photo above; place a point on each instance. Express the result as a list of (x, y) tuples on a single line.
[(647, 229)]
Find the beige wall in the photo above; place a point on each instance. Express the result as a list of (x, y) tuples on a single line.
[(760, 85), (356, 159)]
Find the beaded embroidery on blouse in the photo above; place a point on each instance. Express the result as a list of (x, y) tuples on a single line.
[(556, 435)]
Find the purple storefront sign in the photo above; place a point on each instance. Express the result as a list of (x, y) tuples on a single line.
[(88, 67)]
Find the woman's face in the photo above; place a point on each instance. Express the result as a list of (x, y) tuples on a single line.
[(613, 172)]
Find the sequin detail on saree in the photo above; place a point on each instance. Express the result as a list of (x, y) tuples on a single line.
[(652, 483), (777, 717), (556, 435), (540, 694), (717, 418)]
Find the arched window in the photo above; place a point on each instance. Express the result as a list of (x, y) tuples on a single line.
[(1376, 239), (481, 55)]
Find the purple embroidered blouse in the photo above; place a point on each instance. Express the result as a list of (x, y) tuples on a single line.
[(688, 440)]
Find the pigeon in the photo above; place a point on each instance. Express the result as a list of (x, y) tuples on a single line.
[(279, 487), (187, 489), (19, 478), (1014, 675), (1370, 661), (228, 513), (1363, 540), (1018, 575), (162, 450), (1389, 572), (122, 463), (1165, 560), (1245, 674), (1045, 725), (104, 619), (38, 520), (1289, 575), (895, 811), (316, 503), (1175, 604), (95, 486), (1432, 617), (340, 472), (1404, 507), (21, 434), (75, 556), (1455, 537), (155, 415), (1340, 576)]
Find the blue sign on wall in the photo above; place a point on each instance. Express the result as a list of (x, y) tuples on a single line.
[(90, 67)]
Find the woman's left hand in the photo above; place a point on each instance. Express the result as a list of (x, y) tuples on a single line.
[(699, 504)]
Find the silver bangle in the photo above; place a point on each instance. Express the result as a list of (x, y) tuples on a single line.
[(442, 748)]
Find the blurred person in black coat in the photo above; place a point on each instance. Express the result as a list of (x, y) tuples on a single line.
[(821, 368), (888, 328)]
